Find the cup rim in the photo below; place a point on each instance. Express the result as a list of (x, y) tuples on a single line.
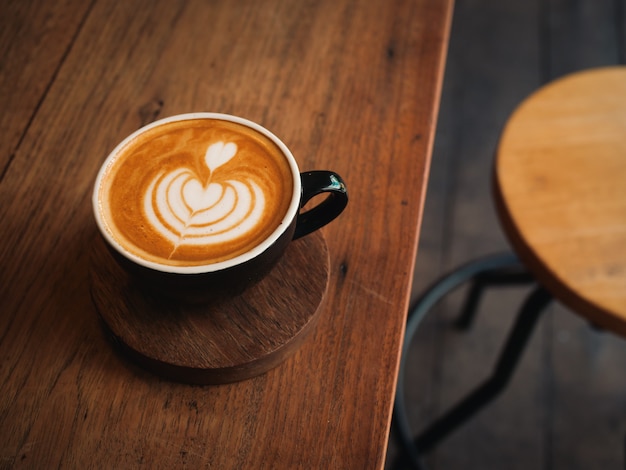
[(285, 223)]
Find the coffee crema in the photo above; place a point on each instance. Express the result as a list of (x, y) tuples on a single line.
[(195, 192)]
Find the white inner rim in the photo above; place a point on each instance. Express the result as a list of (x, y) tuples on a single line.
[(292, 211)]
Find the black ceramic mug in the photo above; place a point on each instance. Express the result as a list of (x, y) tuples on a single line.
[(205, 202)]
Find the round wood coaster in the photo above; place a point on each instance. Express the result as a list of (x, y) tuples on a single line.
[(227, 340)]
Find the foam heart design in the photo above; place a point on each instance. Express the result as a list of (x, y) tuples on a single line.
[(186, 212), (219, 153), (199, 198)]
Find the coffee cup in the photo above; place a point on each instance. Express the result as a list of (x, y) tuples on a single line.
[(204, 204)]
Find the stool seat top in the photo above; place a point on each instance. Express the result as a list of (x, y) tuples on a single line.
[(560, 191)]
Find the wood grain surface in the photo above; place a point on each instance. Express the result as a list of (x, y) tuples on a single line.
[(348, 86), (560, 184)]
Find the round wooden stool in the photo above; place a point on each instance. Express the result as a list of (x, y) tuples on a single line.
[(560, 191)]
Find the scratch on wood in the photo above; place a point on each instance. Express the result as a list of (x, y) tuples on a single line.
[(6, 167), (372, 293)]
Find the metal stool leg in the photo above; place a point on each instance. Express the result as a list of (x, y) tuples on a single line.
[(509, 358), (417, 312), (506, 276)]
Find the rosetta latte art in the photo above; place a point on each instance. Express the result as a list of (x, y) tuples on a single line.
[(187, 211)]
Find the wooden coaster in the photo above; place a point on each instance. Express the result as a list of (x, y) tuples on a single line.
[(227, 340)]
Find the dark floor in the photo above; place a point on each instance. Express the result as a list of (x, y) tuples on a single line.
[(565, 407)]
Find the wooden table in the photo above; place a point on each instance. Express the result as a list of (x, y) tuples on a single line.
[(350, 86)]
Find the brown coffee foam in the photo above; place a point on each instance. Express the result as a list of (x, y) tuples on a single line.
[(184, 144)]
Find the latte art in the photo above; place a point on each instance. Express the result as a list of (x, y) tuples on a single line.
[(195, 192), (187, 212)]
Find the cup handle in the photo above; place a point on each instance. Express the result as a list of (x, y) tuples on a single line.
[(314, 183)]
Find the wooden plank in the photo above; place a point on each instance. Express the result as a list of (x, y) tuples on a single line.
[(49, 227), (348, 87), (34, 40)]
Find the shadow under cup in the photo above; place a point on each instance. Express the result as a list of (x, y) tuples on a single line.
[(201, 283)]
